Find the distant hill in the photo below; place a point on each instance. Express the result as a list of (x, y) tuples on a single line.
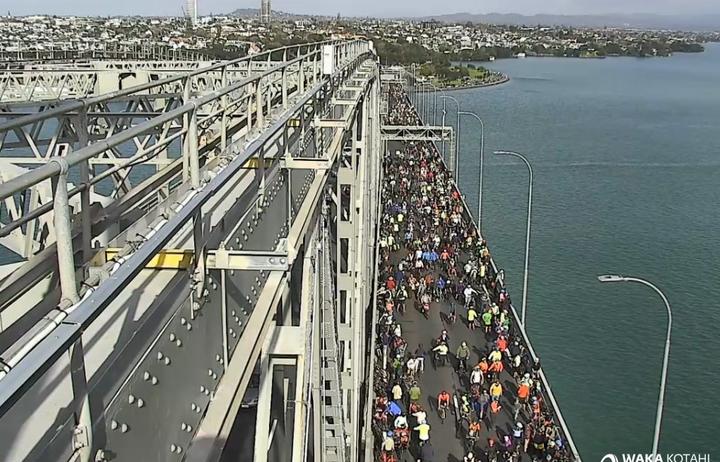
[(637, 21)]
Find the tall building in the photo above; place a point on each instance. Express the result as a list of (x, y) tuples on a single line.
[(191, 11), (265, 11)]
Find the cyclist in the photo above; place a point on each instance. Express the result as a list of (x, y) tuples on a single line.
[(441, 351), (470, 457), (423, 430), (463, 353), (402, 436), (518, 433), (414, 393), (443, 400), (496, 390), (401, 297), (476, 376), (388, 443), (471, 317), (400, 422), (492, 451), (420, 415), (444, 337), (427, 454), (474, 430)]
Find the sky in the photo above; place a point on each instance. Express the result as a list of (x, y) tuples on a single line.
[(376, 8)]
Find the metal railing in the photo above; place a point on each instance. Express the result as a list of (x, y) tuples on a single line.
[(80, 312)]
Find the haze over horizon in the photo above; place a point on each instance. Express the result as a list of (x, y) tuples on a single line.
[(372, 8)]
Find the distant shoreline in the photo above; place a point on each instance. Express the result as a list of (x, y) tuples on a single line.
[(505, 78)]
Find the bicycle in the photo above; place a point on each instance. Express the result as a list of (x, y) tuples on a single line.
[(442, 412)]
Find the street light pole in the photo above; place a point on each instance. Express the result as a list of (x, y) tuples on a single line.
[(482, 162), (527, 232), (457, 135), (666, 355)]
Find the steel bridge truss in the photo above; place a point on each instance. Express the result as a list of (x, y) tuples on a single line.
[(34, 136), (188, 266)]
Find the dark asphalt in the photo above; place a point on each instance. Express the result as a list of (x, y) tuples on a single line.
[(448, 438)]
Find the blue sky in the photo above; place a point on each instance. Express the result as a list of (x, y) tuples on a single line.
[(383, 8)]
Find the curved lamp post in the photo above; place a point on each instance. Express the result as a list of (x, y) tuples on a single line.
[(482, 161), (666, 356), (527, 232), (457, 131)]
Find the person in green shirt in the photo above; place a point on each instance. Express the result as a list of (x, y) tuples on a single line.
[(487, 318), (415, 393)]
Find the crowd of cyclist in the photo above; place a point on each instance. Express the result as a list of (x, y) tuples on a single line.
[(431, 255)]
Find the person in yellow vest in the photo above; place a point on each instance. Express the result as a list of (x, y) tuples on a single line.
[(496, 390)]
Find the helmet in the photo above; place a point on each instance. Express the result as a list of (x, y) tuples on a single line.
[(519, 425), (464, 344), (470, 455), (389, 433), (444, 332)]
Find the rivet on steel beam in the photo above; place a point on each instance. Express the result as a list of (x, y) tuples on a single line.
[(172, 337), (146, 376), (189, 428), (240, 247), (210, 372), (218, 358), (140, 402), (183, 426), (183, 321), (172, 448), (124, 428), (178, 342), (193, 406), (189, 326), (154, 380), (113, 424), (167, 361), (160, 355), (202, 388), (214, 376), (131, 399)]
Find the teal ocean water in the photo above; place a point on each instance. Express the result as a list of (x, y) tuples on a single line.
[(626, 156)]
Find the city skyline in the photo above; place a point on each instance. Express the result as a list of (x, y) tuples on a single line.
[(374, 8)]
